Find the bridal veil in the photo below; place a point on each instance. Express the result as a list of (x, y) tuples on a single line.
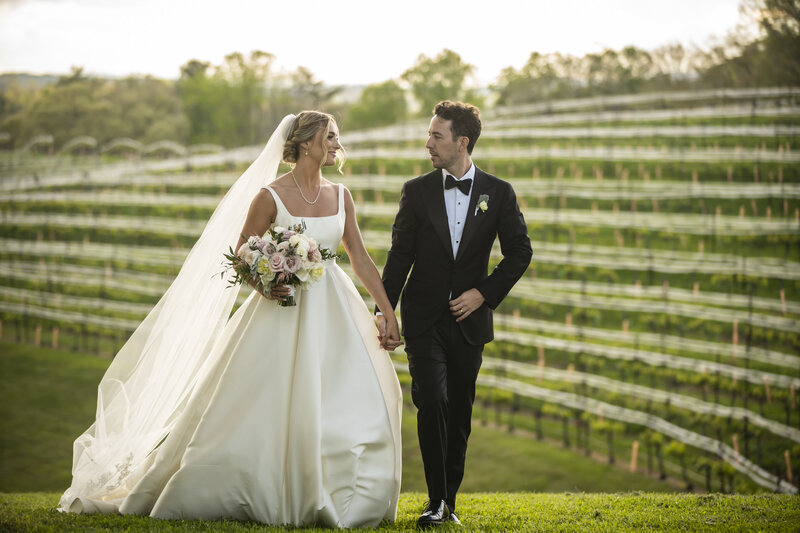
[(151, 378)]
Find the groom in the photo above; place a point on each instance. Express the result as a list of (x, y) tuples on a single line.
[(443, 233)]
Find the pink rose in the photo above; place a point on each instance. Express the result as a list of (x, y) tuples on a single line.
[(293, 264), (277, 263)]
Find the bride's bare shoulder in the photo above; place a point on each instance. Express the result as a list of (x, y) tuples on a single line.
[(281, 182), (328, 183), (263, 201)]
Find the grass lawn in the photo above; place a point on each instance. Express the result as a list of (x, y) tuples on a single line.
[(567, 512), (47, 398)]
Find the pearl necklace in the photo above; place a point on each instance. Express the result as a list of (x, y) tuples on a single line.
[(309, 202)]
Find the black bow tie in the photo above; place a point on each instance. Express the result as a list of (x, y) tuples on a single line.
[(463, 185)]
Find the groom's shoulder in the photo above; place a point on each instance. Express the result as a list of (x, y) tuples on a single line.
[(492, 179), (419, 180)]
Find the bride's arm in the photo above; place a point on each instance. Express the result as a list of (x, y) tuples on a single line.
[(260, 216), (364, 268)]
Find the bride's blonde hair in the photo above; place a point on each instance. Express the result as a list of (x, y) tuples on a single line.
[(305, 127)]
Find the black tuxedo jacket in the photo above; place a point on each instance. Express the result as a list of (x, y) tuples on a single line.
[(421, 243)]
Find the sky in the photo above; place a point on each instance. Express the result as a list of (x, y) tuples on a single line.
[(343, 42)]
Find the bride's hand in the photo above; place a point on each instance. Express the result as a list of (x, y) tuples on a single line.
[(278, 292), (391, 334), (381, 327)]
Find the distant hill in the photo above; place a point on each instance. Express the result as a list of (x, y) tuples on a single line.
[(348, 94), (37, 80)]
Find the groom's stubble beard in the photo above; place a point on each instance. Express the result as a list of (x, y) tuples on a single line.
[(440, 163)]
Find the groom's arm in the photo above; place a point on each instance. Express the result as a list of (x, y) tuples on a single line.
[(515, 246), (403, 250)]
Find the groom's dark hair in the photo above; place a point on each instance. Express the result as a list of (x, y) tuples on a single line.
[(466, 120)]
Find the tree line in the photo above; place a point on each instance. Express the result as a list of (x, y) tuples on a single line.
[(239, 101)]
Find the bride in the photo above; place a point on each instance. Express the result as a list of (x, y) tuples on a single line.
[(282, 415)]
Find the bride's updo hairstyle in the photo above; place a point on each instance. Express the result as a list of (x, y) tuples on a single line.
[(305, 128)]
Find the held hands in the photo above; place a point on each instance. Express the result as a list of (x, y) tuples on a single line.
[(388, 332), (466, 304)]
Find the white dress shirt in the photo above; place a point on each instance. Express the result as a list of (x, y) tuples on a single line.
[(457, 204)]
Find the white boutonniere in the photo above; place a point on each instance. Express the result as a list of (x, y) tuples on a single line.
[(483, 203)]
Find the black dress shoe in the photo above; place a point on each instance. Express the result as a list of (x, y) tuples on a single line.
[(436, 513)]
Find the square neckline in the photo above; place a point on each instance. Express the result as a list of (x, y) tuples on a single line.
[(339, 204)]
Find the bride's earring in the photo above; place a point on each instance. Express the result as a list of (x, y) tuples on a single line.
[(306, 151)]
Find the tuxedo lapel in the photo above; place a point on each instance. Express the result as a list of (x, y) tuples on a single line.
[(434, 204), (474, 218)]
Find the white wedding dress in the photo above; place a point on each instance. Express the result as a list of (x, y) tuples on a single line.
[(295, 418)]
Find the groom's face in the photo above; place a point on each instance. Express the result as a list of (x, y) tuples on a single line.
[(442, 147)]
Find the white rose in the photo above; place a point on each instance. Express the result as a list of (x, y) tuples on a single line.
[(252, 257), (263, 265), (317, 271), (303, 274), (294, 240)]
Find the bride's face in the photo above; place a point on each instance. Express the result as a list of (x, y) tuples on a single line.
[(327, 147)]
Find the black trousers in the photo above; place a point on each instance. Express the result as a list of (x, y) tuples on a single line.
[(444, 368)]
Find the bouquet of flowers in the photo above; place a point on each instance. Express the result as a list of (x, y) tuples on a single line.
[(284, 256)]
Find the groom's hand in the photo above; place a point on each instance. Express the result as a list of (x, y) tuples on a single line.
[(464, 305), (391, 342), (388, 336)]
